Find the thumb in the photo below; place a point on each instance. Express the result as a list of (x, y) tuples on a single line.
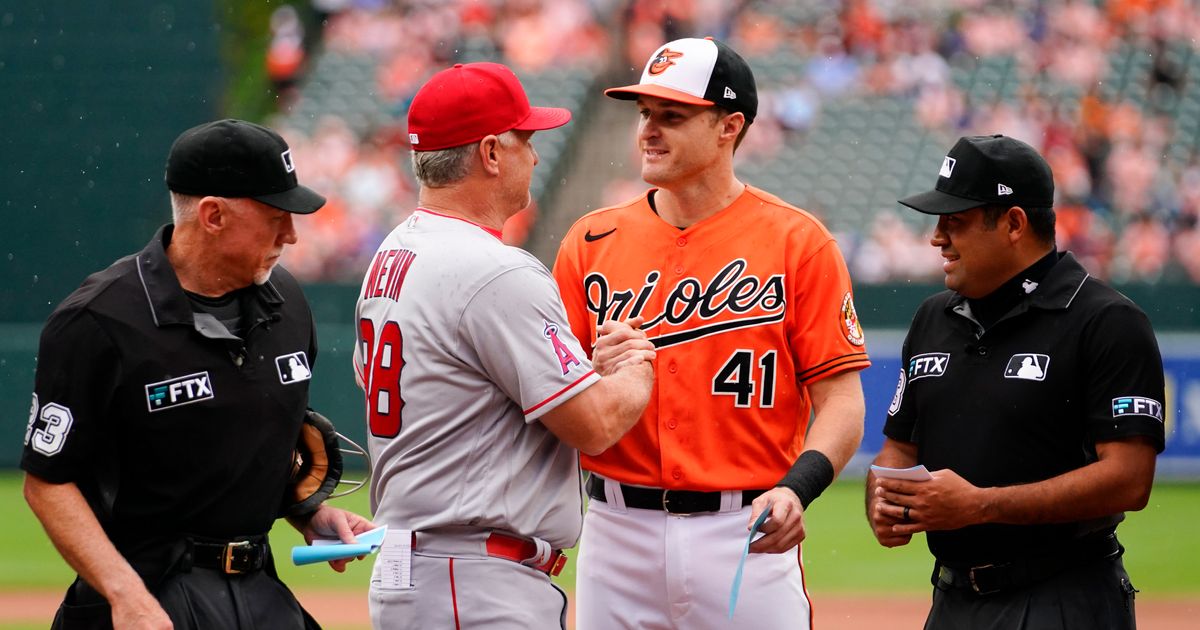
[(342, 524)]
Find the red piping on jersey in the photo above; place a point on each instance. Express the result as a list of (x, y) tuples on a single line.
[(489, 230), (454, 597), (558, 393)]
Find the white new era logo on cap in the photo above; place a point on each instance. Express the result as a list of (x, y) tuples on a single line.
[(947, 166), (729, 93), (1002, 190)]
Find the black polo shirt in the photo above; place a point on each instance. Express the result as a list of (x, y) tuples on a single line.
[(1072, 364), (168, 423)]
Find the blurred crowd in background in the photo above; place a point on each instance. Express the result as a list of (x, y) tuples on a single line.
[(1107, 90)]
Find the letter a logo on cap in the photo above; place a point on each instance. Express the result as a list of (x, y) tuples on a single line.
[(947, 166)]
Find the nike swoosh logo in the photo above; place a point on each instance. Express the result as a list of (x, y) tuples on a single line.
[(589, 237)]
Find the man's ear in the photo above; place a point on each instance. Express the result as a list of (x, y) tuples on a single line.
[(213, 214), (732, 125), (489, 154), (1016, 222)]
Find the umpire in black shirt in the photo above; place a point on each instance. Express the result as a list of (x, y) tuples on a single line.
[(1034, 394), (169, 396)]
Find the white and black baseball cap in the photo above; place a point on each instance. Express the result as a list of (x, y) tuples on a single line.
[(987, 170), (235, 158), (698, 72)]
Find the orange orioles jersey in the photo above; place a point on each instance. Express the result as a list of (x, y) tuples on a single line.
[(745, 309)]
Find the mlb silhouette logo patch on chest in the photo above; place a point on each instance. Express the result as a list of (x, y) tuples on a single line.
[(1029, 367), (293, 368)]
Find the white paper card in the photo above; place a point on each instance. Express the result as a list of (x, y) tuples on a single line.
[(916, 473), (394, 566)]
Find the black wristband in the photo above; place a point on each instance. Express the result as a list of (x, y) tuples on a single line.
[(809, 476)]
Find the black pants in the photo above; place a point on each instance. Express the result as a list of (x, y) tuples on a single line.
[(1095, 595), (197, 599)]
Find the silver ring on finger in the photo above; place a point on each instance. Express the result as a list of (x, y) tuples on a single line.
[(906, 509)]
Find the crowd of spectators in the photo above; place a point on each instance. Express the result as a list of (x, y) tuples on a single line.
[(1128, 175), (365, 172)]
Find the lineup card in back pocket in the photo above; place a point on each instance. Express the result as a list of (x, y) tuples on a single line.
[(916, 473)]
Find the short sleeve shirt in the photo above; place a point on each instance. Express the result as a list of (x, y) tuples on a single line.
[(1075, 363), (745, 308), (167, 426), (462, 346)]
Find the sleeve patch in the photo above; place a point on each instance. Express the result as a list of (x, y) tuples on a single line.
[(850, 325), (565, 357), (50, 438), (33, 413), (898, 397), (1137, 406)]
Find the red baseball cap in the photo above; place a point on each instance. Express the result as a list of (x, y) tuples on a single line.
[(463, 104)]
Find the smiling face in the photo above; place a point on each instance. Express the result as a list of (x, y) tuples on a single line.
[(978, 259), (677, 142)]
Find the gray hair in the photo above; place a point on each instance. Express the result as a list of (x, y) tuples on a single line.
[(438, 169), (183, 208)]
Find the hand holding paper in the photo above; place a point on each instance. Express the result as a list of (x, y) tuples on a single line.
[(915, 473), (324, 550)]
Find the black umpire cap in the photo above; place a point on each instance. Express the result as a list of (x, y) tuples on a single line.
[(987, 170), (235, 158)]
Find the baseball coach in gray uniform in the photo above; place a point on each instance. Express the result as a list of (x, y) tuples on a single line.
[(478, 395)]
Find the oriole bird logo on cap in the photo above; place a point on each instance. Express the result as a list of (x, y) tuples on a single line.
[(664, 60)]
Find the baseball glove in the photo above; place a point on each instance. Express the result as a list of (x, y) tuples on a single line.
[(316, 465)]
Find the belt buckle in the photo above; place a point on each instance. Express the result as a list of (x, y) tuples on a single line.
[(975, 584), (557, 564), (227, 556), (667, 507)]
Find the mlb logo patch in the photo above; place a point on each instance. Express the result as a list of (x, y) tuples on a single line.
[(1029, 367), (288, 165), (1137, 406), (176, 392), (293, 368), (927, 365), (947, 166)]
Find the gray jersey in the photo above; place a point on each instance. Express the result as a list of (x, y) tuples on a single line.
[(462, 344)]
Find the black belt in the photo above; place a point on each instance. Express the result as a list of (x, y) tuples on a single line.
[(670, 501), (993, 578), (230, 557)]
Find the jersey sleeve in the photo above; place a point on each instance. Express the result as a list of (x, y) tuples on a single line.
[(75, 381), (518, 328), (825, 334), (568, 273), (1125, 389)]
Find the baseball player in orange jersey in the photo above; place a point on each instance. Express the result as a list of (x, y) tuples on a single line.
[(748, 303)]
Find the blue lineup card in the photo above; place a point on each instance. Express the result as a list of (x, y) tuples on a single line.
[(737, 577), (325, 550)]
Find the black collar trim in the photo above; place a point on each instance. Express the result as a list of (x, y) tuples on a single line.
[(168, 303), (1057, 290)]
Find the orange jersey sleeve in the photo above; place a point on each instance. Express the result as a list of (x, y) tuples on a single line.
[(745, 308)]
